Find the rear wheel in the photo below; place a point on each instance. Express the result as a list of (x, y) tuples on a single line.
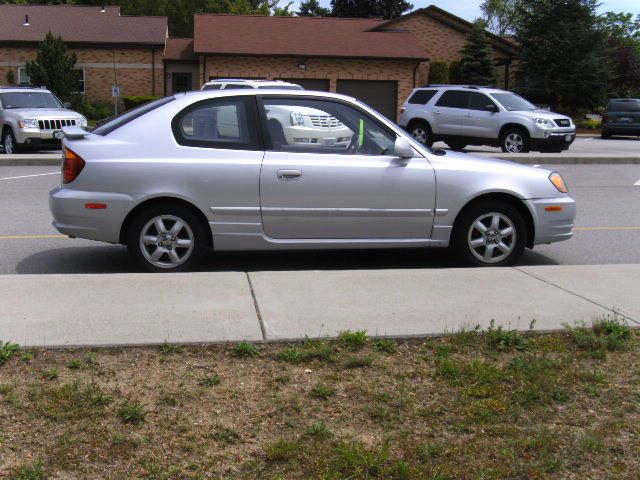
[(491, 234), (456, 146), (605, 134), (167, 238), (515, 140), (421, 132)]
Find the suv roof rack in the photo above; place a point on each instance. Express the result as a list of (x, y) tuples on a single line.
[(473, 87), (21, 87), (242, 80)]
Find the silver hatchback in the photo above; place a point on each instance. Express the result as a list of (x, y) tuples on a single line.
[(215, 170)]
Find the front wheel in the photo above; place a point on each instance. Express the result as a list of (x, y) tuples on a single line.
[(9, 142), (456, 146), (421, 132), (491, 234), (514, 140), (167, 238)]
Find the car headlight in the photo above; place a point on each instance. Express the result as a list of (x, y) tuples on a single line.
[(297, 120), (558, 182), (543, 122), (28, 123), (81, 122)]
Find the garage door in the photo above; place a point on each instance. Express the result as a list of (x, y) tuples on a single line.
[(309, 83), (379, 94)]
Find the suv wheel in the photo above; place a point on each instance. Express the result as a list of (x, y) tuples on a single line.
[(421, 132), (166, 238), (514, 140), (605, 134), (9, 142), (491, 234), (456, 146)]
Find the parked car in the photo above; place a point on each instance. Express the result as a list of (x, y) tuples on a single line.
[(621, 118), (170, 181), (470, 115), (305, 127), (33, 118)]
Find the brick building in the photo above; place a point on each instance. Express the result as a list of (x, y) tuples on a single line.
[(111, 48)]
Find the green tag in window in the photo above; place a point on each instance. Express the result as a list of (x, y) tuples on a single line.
[(361, 138)]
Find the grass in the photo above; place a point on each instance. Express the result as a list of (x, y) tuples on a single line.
[(7, 351), (475, 404)]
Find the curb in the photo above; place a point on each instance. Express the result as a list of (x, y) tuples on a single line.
[(533, 159)]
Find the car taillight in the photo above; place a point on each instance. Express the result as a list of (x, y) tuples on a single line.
[(403, 109), (72, 165)]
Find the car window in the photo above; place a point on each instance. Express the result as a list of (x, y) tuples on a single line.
[(453, 99), (218, 123), (282, 87), (421, 97), (212, 87), (29, 100), (322, 126), (479, 101), (116, 122), (235, 86), (630, 105), (513, 102)]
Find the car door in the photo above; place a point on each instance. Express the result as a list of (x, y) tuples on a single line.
[(329, 172), (448, 113), (482, 119)]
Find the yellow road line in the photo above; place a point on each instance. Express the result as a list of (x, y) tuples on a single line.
[(29, 237), (604, 229)]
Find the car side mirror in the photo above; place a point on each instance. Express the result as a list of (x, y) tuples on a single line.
[(403, 148), (491, 108), (67, 105)]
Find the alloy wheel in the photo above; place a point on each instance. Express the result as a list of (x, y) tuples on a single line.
[(514, 143), (420, 134), (492, 237), (166, 241), (8, 144)]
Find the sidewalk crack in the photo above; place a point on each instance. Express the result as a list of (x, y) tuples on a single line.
[(612, 310), (263, 329)]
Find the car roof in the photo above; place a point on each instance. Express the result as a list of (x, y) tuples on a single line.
[(251, 82), (476, 88), (262, 91)]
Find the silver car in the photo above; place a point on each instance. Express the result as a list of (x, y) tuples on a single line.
[(210, 170)]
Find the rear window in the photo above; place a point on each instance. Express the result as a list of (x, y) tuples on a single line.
[(120, 120), (421, 97), (453, 99), (632, 105), (212, 87), (282, 87)]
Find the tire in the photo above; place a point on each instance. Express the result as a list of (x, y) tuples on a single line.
[(471, 244), (421, 131), (456, 146), (604, 134), (181, 249), (515, 140), (8, 138)]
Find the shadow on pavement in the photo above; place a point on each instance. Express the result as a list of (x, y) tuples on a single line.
[(114, 259)]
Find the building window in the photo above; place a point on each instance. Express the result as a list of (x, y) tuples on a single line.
[(81, 80), (23, 77)]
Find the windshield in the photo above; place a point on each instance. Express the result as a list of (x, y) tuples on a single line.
[(513, 102), (29, 100)]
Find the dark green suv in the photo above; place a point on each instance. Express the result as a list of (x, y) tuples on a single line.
[(622, 117)]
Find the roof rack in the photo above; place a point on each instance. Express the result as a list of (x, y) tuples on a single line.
[(21, 87), (473, 87)]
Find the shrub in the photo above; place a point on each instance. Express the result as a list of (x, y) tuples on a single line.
[(134, 101), (11, 77), (132, 412), (501, 339), (353, 340), (439, 72), (244, 349), (455, 76), (590, 124)]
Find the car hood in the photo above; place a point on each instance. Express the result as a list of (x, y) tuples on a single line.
[(44, 112), (489, 164), (547, 115)]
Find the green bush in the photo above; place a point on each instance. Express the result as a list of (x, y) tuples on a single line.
[(590, 124), (439, 72), (137, 100), (455, 76), (11, 78)]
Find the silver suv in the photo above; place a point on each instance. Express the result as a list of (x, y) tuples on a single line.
[(471, 115), (33, 118)]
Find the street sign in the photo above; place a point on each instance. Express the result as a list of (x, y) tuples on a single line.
[(115, 91)]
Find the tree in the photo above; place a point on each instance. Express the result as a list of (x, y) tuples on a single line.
[(563, 54), (500, 16), (312, 8), (477, 66), (439, 72), (386, 9), (54, 67), (623, 33)]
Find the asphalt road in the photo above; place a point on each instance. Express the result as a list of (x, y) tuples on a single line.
[(582, 144), (608, 231)]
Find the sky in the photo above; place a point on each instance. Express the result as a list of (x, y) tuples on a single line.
[(470, 9)]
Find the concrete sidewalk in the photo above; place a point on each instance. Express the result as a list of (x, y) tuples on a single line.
[(565, 158), (134, 309)]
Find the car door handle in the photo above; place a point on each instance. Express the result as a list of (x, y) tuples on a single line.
[(437, 112), (467, 114), (289, 174)]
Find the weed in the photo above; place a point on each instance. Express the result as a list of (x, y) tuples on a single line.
[(360, 362), (290, 354), (591, 442), (132, 412), (428, 451), (74, 364), (168, 400), (608, 333), (28, 356), (355, 461), (49, 373), (283, 450), (322, 391), (225, 435), (70, 401), (7, 350), (465, 337), (244, 349), (503, 340), (386, 345), (33, 471), (92, 359), (209, 380), (170, 349), (319, 429), (353, 340)]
